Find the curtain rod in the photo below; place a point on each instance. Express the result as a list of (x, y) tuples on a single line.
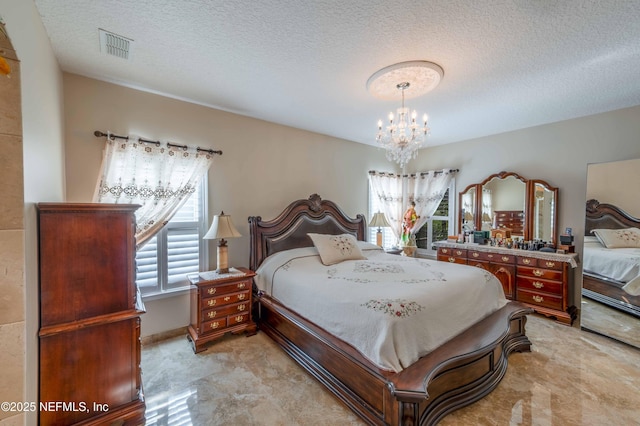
[(414, 174), (100, 134)]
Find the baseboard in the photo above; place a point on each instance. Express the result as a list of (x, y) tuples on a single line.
[(154, 338)]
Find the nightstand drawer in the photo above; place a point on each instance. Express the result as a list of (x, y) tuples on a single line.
[(238, 319), (215, 290), (215, 325), (223, 311), (225, 299)]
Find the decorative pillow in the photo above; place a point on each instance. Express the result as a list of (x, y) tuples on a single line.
[(619, 238), (336, 248)]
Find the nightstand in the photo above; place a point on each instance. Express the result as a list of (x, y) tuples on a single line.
[(220, 304)]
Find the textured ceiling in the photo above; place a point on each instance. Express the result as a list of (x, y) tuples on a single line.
[(507, 64)]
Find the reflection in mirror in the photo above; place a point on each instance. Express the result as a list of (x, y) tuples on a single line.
[(467, 204), (610, 302), (543, 206), (503, 204)]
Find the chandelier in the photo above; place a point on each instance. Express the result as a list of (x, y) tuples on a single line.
[(404, 135)]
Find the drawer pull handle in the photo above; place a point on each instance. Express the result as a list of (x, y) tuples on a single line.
[(211, 302), (242, 307), (550, 264), (458, 252), (505, 258), (212, 314), (526, 261), (538, 284), (227, 298), (490, 256), (537, 298), (239, 318), (538, 272), (212, 290), (241, 296), (452, 259), (445, 251), (215, 324), (476, 254)]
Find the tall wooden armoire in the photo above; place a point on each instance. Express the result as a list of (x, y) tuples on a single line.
[(89, 316)]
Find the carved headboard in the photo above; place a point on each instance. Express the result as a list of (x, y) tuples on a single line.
[(607, 216), (290, 228)]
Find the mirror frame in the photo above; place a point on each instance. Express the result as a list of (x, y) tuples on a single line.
[(529, 199)]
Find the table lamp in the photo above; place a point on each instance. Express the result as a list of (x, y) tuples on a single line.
[(222, 228), (380, 221)]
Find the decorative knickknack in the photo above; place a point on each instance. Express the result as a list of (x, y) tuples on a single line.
[(409, 248)]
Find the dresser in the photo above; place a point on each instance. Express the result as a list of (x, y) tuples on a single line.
[(220, 304), (510, 219), (89, 335), (541, 280)]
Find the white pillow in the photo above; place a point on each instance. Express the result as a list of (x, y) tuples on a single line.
[(619, 238), (592, 241), (336, 248)]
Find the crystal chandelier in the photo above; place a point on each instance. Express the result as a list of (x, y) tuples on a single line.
[(403, 137)]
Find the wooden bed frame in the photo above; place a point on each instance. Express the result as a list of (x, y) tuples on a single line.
[(597, 287), (456, 374)]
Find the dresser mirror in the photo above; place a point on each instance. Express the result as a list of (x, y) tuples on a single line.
[(608, 306), (543, 211), (527, 207)]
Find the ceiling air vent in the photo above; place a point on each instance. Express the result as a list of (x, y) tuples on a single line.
[(115, 45)]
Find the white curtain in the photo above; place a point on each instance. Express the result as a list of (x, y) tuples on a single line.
[(427, 190), (159, 178), (387, 188)]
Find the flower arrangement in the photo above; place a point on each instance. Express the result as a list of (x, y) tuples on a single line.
[(5, 69)]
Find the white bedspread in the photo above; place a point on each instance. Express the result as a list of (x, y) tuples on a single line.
[(620, 264), (393, 309)]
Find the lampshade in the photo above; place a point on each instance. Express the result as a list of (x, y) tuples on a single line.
[(222, 227), (379, 220)]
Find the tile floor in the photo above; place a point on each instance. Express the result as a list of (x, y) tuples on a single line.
[(571, 377)]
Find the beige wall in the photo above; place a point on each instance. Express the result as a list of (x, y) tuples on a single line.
[(557, 153), (264, 166), (610, 183), (42, 169)]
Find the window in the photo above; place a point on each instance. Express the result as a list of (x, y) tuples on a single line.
[(176, 250), (439, 226), (388, 239)]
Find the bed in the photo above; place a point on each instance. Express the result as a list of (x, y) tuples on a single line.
[(454, 374), (610, 275)]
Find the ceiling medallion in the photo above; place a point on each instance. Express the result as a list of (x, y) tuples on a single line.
[(403, 136)]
